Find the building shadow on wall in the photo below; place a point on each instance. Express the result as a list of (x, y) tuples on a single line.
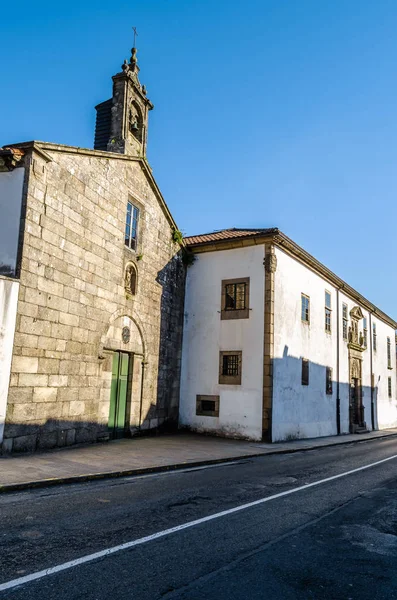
[(163, 411), (308, 400)]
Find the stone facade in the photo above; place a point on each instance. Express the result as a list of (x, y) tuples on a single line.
[(74, 307)]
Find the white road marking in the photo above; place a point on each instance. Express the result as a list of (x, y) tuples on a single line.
[(149, 538)]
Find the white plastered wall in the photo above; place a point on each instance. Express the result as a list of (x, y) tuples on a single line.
[(301, 411), (8, 310), (205, 334), (307, 411), (385, 407)]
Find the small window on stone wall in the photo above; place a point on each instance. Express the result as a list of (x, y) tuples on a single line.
[(207, 406)]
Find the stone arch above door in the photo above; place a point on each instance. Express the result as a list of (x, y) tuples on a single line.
[(123, 334)]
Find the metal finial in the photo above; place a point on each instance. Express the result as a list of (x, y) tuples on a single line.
[(135, 35)]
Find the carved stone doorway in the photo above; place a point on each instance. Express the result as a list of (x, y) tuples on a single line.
[(356, 396)]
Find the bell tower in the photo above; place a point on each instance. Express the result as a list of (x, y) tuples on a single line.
[(122, 121)]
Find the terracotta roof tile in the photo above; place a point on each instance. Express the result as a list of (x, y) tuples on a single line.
[(226, 234)]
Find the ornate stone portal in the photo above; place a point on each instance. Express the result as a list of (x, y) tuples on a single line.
[(356, 347)]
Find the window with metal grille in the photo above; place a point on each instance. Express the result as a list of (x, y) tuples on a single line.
[(389, 353), (374, 336), (305, 308), (365, 332), (327, 312), (131, 226), (328, 380), (389, 390), (230, 367), (235, 296), (305, 371), (345, 321)]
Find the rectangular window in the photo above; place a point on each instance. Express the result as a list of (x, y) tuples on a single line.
[(305, 371), (365, 332), (235, 298), (305, 308), (345, 321), (230, 367), (327, 312), (374, 336), (207, 406), (389, 390), (389, 353), (131, 226), (328, 380)]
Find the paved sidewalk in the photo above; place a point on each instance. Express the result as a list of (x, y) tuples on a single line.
[(144, 455)]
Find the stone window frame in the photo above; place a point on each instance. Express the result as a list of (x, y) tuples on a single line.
[(200, 398), (305, 371), (231, 314), (230, 379)]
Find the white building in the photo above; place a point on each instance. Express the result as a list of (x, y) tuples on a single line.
[(278, 347)]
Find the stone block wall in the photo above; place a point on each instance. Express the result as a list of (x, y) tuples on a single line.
[(72, 294)]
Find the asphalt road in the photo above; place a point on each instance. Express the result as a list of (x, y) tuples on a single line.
[(336, 540)]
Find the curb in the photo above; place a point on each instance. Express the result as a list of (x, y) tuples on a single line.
[(41, 483)]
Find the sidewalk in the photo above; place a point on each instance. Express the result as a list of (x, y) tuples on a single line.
[(145, 455)]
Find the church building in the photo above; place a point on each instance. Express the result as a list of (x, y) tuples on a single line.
[(91, 285), (277, 347), (111, 324)]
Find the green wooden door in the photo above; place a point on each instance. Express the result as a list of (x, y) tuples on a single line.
[(118, 394)]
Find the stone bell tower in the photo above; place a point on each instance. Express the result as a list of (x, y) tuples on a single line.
[(122, 121)]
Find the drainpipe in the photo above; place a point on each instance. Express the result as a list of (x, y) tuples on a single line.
[(372, 377), (337, 364), (140, 400)]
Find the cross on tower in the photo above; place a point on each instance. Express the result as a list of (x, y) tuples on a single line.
[(135, 35)]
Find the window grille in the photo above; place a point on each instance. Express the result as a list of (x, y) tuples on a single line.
[(230, 365)]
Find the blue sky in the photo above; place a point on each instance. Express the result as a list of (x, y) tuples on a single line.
[(267, 113)]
